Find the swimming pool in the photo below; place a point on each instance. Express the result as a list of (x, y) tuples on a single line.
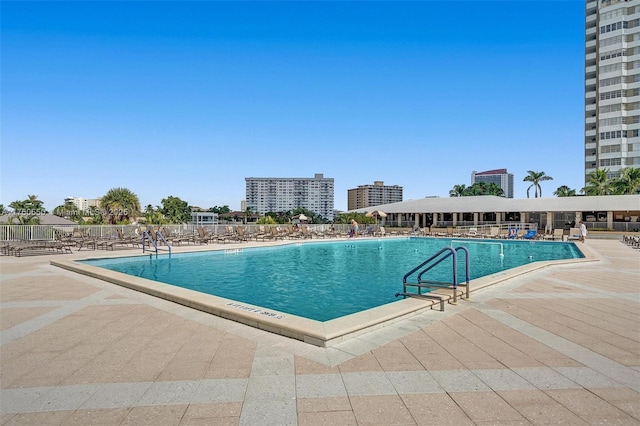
[(327, 280)]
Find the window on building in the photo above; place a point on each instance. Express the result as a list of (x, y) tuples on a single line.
[(606, 162), (606, 149)]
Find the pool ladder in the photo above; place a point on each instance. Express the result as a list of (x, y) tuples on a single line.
[(153, 242), (420, 284)]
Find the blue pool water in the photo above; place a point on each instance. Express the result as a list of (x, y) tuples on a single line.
[(327, 280)]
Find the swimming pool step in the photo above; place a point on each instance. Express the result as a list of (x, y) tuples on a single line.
[(437, 284), (440, 298), (436, 297)]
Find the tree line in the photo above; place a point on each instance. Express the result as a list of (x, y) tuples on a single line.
[(122, 206), (598, 182)]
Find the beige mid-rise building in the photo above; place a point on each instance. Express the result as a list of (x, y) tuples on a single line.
[(373, 195)]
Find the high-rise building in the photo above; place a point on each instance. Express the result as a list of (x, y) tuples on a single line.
[(612, 85), (283, 194), (500, 177), (83, 203), (373, 195), (80, 202)]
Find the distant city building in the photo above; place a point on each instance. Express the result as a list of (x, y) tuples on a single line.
[(79, 202), (612, 92), (373, 195), (83, 203), (500, 177), (203, 218), (283, 194)]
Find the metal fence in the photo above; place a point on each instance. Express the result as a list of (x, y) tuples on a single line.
[(51, 232)]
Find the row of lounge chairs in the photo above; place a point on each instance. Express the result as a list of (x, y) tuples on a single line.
[(632, 241), (66, 243), (493, 232), (235, 234), (263, 233), (22, 247)]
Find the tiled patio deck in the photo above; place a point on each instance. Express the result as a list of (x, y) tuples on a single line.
[(557, 346)]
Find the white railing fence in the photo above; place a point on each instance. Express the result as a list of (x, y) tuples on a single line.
[(51, 232)]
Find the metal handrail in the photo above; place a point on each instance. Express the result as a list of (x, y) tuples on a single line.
[(154, 242), (419, 285), (147, 235), (452, 252), (429, 263), (411, 272), (161, 235), (467, 271)]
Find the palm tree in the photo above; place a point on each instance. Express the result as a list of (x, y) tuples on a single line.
[(564, 191), (457, 191), (247, 213), (629, 181), (535, 178), (27, 212), (120, 204), (598, 183)]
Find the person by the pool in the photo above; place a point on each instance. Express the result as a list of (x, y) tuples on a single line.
[(354, 228), (583, 231)]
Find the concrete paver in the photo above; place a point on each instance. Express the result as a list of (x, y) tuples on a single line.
[(557, 345)]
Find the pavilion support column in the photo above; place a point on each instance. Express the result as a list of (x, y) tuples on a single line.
[(578, 217), (416, 219), (498, 218), (400, 219), (475, 218), (523, 219), (455, 219), (609, 220), (550, 221)]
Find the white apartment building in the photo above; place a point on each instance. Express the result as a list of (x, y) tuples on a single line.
[(79, 202), (83, 203), (283, 194), (612, 85)]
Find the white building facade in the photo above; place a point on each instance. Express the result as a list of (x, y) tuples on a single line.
[(612, 85), (79, 202), (283, 194)]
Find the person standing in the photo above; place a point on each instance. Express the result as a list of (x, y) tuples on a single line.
[(583, 231), (354, 228)]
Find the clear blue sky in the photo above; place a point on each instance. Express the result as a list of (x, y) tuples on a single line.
[(189, 98)]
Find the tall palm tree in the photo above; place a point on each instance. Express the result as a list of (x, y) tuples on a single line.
[(628, 182), (564, 191), (27, 211), (247, 214), (120, 204), (457, 191), (535, 178), (598, 183)]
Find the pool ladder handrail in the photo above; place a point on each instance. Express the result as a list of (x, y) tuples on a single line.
[(429, 263), (154, 242)]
